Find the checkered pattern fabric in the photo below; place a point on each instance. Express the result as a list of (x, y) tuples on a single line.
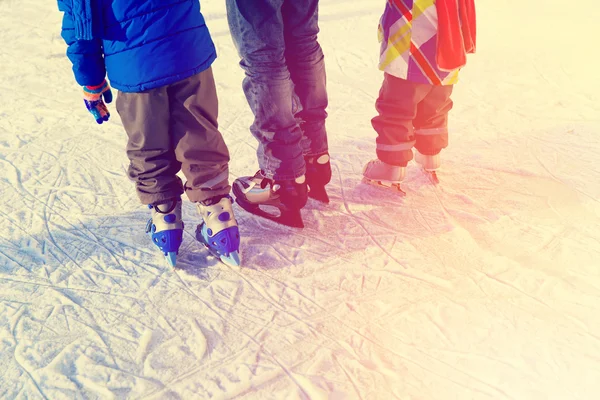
[(408, 34)]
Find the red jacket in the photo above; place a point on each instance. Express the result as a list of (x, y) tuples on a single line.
[(456, 32)]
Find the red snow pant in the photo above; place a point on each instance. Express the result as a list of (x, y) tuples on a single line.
[(410, 115)]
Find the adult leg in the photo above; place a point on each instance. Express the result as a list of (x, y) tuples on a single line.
[(306, 64), (257, 30)]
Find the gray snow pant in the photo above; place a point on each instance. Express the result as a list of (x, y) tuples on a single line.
[(173, 128), (411, 115)]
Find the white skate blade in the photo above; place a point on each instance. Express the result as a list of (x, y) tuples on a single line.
[(233, 260), (171, 258), (432, 177), (394, 185)]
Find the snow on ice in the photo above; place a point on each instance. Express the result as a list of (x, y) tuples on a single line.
[(485, 286)]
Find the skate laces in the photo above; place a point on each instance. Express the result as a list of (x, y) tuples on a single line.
[(262, 182), (217, 216), (257, 180), (166, 216), (172, 205), (214, 200)]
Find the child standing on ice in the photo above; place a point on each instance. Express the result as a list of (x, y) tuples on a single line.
[(424, 44), (159, 58)]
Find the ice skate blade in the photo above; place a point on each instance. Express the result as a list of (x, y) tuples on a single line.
[(171, 258), (232, 260), (385, 184), (433, 177), (291, 218), (287, 217), (319, 194)]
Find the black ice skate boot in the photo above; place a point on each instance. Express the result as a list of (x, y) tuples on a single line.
[(318, 174), (256, 193)]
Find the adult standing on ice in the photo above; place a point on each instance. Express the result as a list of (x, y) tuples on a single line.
[(285, 88), (159, 57), (424, 44)]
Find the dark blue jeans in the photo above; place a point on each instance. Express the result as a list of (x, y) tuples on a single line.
[(285, 80)]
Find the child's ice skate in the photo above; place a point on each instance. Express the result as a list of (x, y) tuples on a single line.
[(218, 230), (318, 174), (289, 197), (378, 173), (430, 165), (165, 228)]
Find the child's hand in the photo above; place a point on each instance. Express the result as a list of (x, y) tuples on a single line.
[(92, 97)]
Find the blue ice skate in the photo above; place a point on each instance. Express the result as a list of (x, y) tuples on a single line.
[(218, 231), (165, 228)]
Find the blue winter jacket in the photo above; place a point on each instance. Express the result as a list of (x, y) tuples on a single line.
[(139, 44)]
